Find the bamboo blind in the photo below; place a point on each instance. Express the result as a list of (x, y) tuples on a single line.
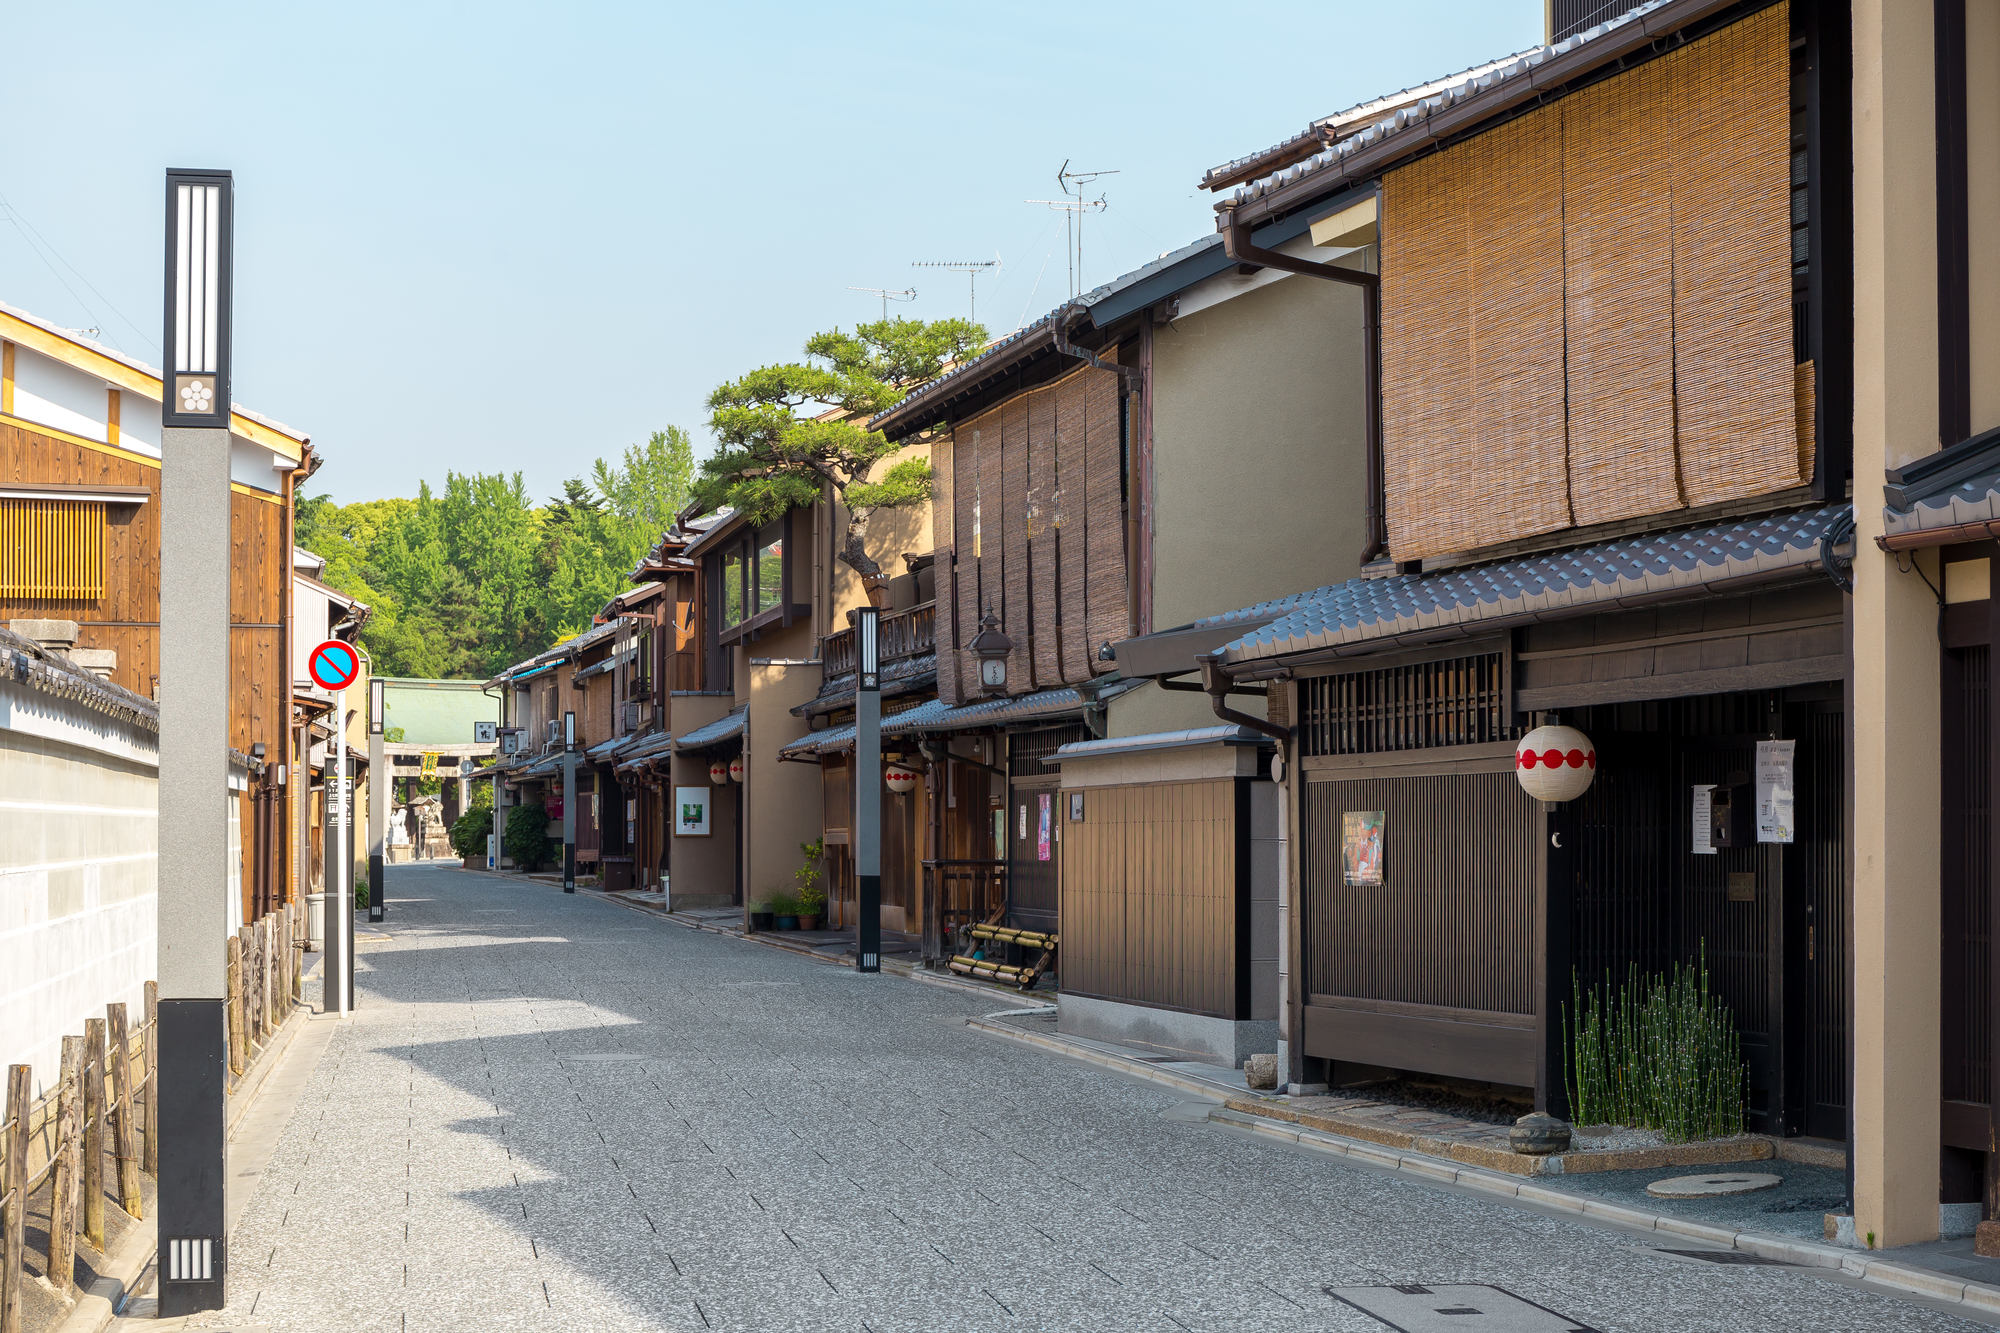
[(1044, 485), (1014, 609), (1587, 311), (1805, 400), (1105, 535), (1732, 260), (1072, 580), (52, 549), (1619, 277), (1472, 343)]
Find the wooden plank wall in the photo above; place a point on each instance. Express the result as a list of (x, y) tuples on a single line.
[(1453, 923), (1037, 525), (1149, 889)]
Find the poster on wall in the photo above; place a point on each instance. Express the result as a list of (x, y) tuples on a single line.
[(1704, 819), (1776, 807), (1361, 847), (691, 812), (1046, 828)]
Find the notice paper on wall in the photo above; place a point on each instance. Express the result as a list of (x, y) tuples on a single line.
[(1776, 808), (1704, 819)]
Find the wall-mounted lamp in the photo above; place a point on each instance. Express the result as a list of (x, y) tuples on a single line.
[(991, 647), (200, 227)]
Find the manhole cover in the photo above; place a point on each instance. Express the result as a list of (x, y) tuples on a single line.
[(1713, 1185), (1415, 1308), (1725, 1257)]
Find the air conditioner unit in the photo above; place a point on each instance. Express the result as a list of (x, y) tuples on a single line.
[(555, 731), (510, 742)]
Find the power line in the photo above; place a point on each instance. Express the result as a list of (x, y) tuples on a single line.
[(14, 216)]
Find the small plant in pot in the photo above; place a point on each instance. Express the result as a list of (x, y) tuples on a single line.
[(812, 889), (786, 910)]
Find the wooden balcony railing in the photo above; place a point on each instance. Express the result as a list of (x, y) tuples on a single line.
[(903, 634)]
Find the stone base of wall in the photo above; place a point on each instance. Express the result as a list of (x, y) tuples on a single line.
[(1215, 1041)]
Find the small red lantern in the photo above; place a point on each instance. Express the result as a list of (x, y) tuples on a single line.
[(1555, 763), (718, 772), (901, 779), (736, 769)]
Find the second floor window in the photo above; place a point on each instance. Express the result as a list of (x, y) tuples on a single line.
[(753, 575)]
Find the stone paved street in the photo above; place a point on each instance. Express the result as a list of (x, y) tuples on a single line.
[(556, 1113)]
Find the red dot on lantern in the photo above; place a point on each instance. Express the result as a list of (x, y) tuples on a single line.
[(1575, 758), (1590, 760), (1553, 758), (1524, 759)]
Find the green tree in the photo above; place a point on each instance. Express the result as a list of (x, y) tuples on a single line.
[(773, 454)]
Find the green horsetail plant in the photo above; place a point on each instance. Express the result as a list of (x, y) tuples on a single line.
[(1658, 1052)]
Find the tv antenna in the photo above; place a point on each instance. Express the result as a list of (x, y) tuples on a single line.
[(971, 268), (888, 294), (1074, 207)]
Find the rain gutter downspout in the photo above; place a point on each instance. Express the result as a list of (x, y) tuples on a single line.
[(1217, 684), (1236, 243)]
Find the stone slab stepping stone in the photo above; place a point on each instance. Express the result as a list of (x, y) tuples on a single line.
[(1713, 1184)]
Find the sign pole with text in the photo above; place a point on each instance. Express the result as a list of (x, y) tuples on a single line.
[(194, 800), (334, 665)]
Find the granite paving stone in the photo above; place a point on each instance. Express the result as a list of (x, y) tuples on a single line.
[(802, 1148)]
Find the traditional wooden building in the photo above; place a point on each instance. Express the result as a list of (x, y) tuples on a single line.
[(79, 551), (1607, 489)]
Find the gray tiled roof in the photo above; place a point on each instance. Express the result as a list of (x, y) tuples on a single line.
[(1226, 734), (722, 729), (1452, 91), (652, 745), (1948, 488), (1579, 581), (933, 716), (558, 653)]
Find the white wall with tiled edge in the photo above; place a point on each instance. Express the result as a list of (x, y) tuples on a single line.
[(79, 826)]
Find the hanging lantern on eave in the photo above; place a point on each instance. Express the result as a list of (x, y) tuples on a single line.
[(1555, 763), (901, 779), (736, 769), (718, 772)]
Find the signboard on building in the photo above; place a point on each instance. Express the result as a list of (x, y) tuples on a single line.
[(691, 812)]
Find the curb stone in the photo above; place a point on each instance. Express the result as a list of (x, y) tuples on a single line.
[(1243, 1116)]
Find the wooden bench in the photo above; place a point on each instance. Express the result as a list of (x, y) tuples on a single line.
[(987, 969)]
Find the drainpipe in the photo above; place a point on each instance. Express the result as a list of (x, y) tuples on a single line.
[(1217, 685), (1237, 245), (1065, 319)]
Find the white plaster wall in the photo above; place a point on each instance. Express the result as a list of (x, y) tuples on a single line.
[(79, 828), (253, 465), (138, 423), (54, 394)]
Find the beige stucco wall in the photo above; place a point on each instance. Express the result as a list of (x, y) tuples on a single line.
[(782, 800), (701, 867), (1258, 431), (1149, 708), (1895, 681), (891, 533), (1982, 143)]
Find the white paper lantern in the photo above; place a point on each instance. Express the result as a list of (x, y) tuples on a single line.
[(736, 769), (1555, 763), (718, 772), (901, 779)]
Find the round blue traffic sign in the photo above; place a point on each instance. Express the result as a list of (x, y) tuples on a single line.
[(334, 665)]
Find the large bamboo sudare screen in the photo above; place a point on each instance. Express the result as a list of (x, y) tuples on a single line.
[(1651, 214)]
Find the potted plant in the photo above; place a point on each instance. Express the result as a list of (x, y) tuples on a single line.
[(761, 918), (812, 891), (786, 910)]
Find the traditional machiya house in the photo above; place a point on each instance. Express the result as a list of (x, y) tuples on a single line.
[(1926, 883), (538, 697), (1612, 358), (763, 627), (79, 555), (1116, 811), (663, 662)]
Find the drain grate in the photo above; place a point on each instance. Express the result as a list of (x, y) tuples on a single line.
[(1726, 1257), (1455, 1308)]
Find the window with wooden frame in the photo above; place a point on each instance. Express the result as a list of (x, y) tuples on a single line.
[(1419, 706), (51, 549), (750, 581)]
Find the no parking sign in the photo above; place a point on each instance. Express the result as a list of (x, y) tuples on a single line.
[(334, 665)]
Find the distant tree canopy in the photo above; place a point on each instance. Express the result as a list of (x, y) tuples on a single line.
[(770, 456), (468, 582)]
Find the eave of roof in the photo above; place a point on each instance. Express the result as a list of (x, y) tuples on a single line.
[(1362, 615), (1953, 488), (1463, 107)]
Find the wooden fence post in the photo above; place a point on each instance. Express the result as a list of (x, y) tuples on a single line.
[(247, 955), (232, 950), (14, 1157), (267, 993), (152, 1098), (93, 1131), (62, 1189), (124, 1142), (284, 952)]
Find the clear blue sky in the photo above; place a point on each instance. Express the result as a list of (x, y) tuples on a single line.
[(497, 237)]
